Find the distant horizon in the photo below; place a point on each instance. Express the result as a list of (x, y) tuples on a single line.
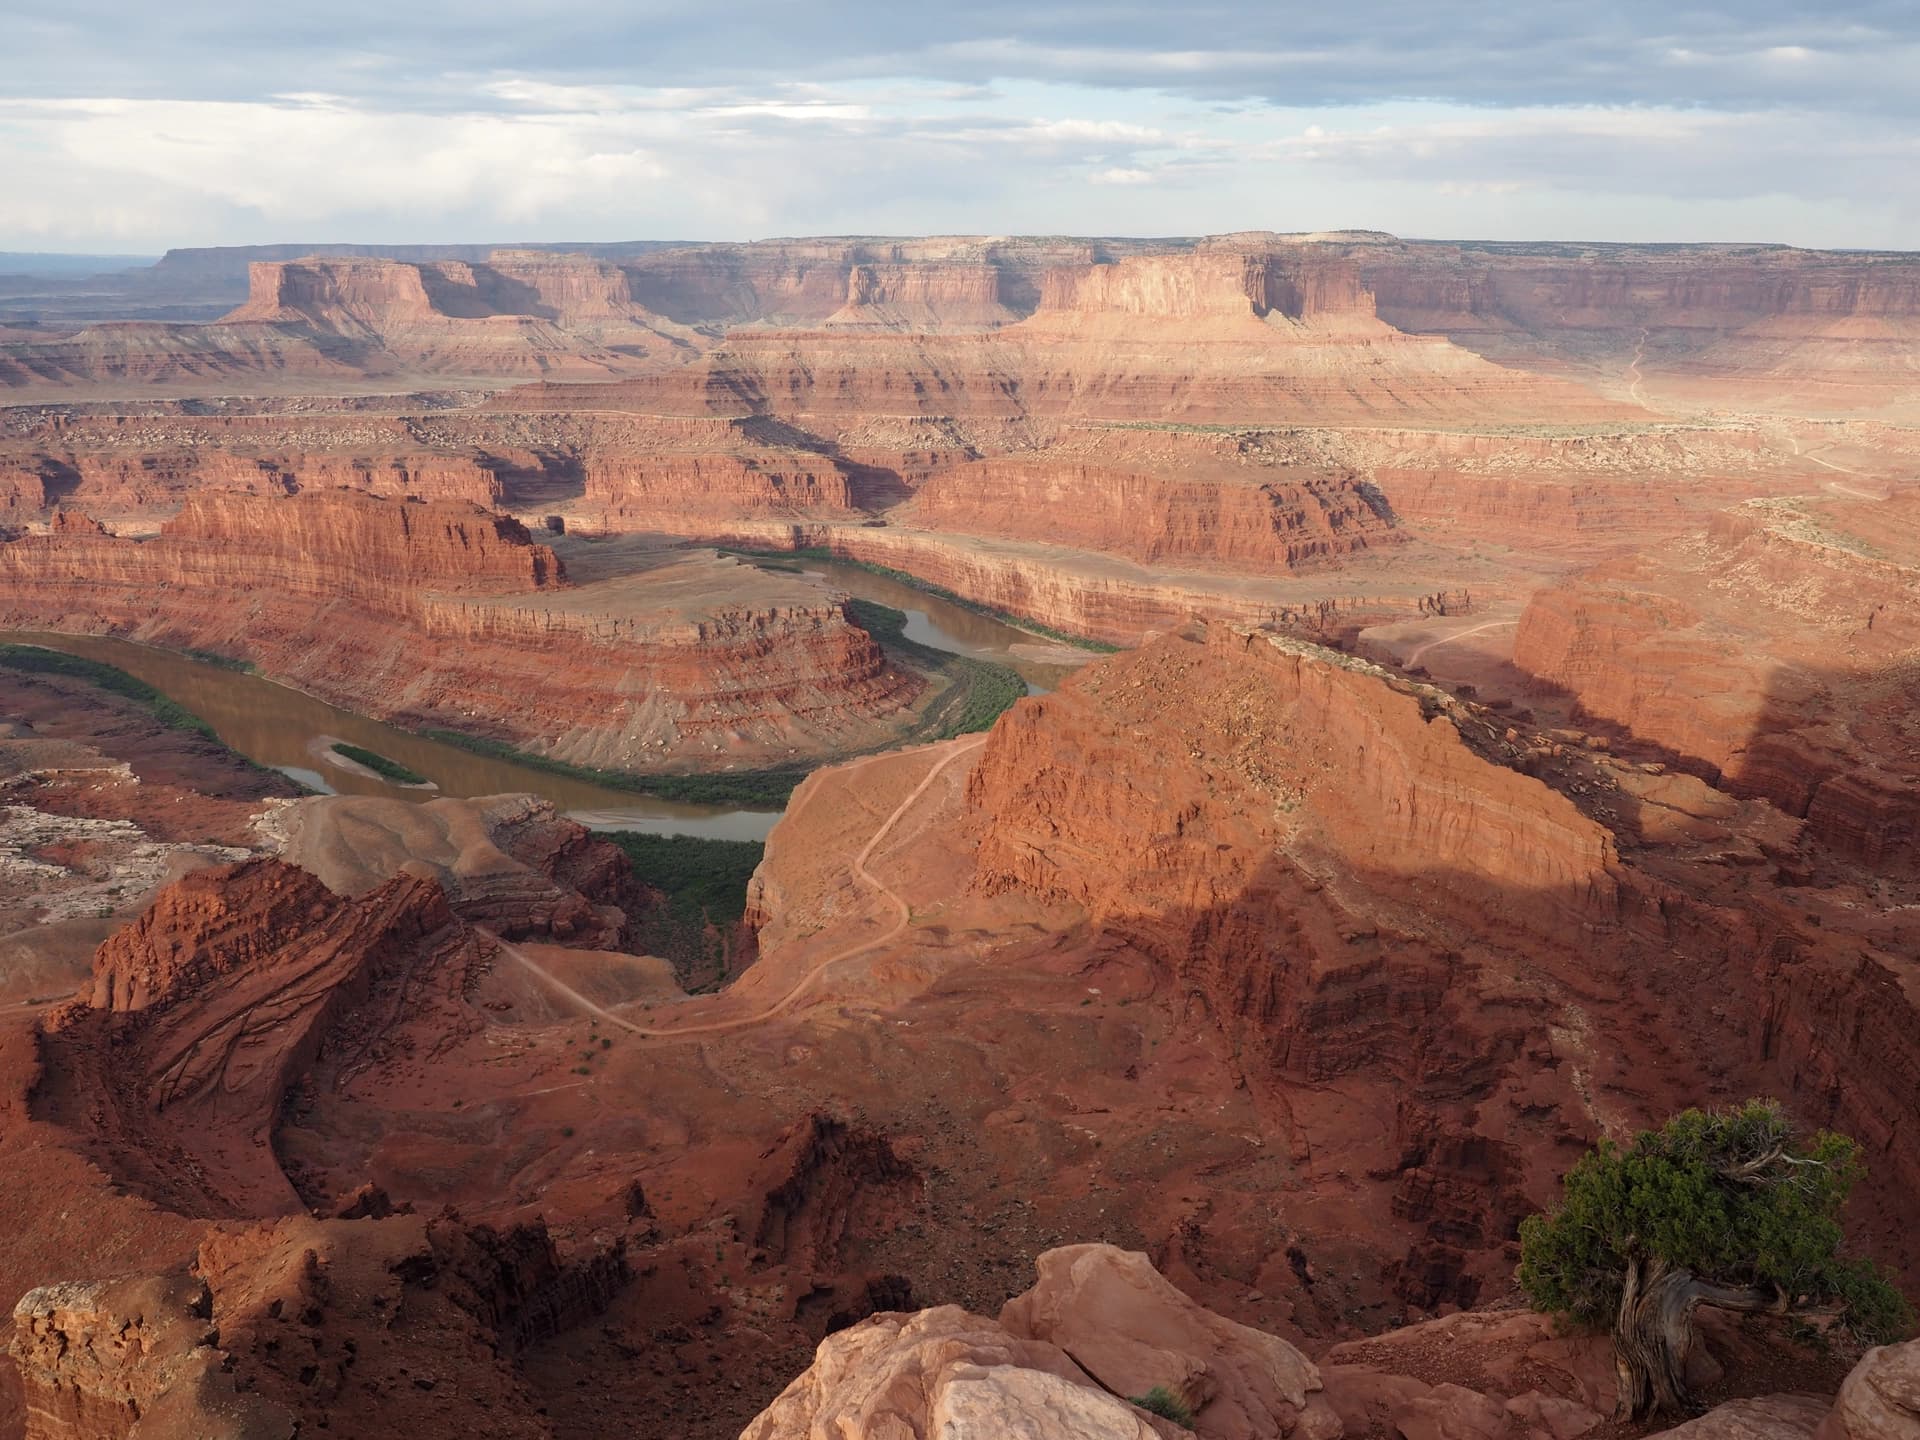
[(155, 256)]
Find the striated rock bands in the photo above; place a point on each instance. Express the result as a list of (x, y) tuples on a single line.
[(446, 614)]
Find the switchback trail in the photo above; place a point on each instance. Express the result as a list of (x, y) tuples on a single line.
[(813, 976)]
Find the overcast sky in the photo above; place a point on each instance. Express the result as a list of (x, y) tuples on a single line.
[(128, 125)]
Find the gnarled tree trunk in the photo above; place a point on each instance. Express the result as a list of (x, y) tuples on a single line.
[(1653, 1333)]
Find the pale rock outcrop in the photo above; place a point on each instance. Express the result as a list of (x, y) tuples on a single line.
[(1764, 1417), (1101, 1325), (1129, 1328), (947, 1373), (131, 1359), (1880, 1399)]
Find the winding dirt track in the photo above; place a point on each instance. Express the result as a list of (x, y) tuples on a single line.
[(812, 978), (1414, 658)]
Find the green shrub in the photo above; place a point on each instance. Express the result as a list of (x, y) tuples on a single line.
[(1167, 1405), (380, 765), (1724, 1208)]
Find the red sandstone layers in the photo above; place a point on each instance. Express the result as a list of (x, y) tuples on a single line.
[(1103, 597), (1775, 653), (1800, 330), (1342, 885), (1204, 337), (521, 313), (443, 614), (1215, 508)]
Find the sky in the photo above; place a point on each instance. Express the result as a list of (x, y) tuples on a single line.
[(132, 126)]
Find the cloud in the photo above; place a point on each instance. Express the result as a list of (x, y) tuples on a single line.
[(216, 120)]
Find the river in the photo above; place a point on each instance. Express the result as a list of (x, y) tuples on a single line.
[(288, 731)]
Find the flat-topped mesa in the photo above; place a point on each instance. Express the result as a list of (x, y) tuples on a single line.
[(577, 291), (346, 294), (1223, 285), (877, 281), (521, 313), (959, 295), (331, 541), (1794, 329), (359, 295), (1204, 508)]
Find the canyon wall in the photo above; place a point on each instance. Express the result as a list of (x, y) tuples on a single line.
[(1773, 653), (442, 614), (1350, 875), (1279, 520), (1797, 328)]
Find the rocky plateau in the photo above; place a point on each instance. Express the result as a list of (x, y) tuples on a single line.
[(1511, 742)]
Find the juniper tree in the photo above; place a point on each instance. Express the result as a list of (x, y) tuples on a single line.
[(1728, 1209)]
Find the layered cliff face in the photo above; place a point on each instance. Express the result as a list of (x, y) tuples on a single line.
[(1203, 336), (1773, 653), (1223, 285), (1803, 329), (520, 313), (702, 493), (965, 281), (1332, 764), (1341, 885), (1236, 516), (221, 996), (924, 296), (446, 614)]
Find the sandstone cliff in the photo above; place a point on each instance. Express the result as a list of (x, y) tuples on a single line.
[(1347, 874), (1235, 516), (443, 614), (1801, 329), (1772, 653), (206, 1011)]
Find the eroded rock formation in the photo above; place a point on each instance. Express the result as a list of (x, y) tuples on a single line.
[(444, 614)]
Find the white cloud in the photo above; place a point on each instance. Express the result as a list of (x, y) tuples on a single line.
[(501, 156)]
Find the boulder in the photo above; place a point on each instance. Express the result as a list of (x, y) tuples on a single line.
[(1764, 1417), (1879, 1399), (1131, 1330), (948, 1373)]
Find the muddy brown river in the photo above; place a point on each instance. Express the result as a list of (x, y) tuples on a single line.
[(290, 731)]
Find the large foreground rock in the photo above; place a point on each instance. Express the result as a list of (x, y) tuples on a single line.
[(1101, 1324), (1880, 1400), (1132, 1331), (947, 1373), (1765, 1417)]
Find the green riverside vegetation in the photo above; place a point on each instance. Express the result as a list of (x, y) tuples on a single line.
[(36, 661), (749, 789), (705, 882), (219, 661), (380, 765), (978, 692)]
